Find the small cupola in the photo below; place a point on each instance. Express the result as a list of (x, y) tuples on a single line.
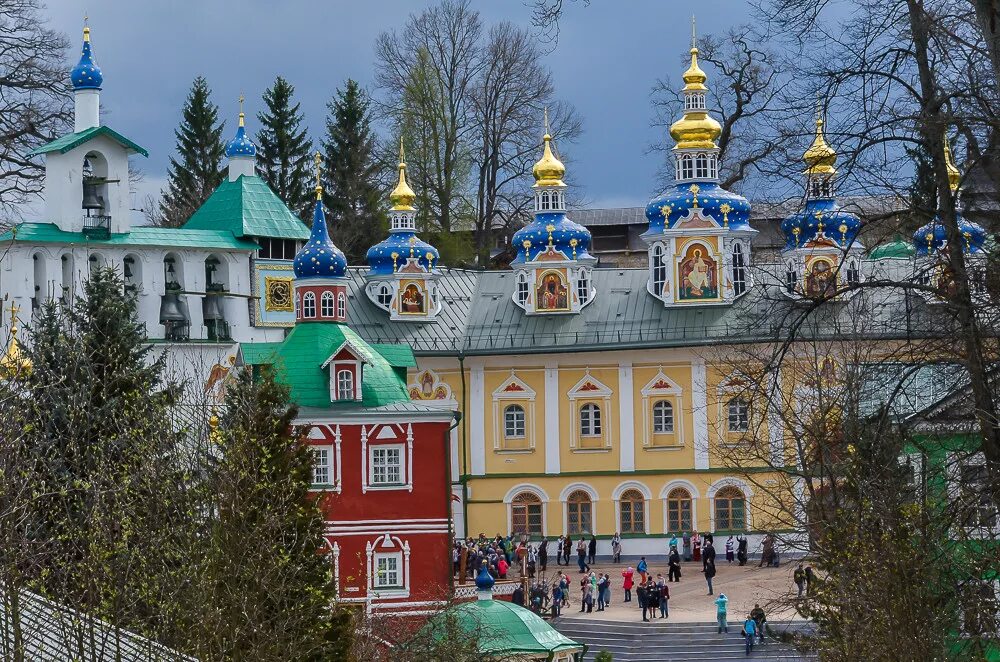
[(241, 151)]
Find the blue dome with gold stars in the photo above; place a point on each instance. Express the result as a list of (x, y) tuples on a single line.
[(241, 145), (319, 258), (727, 208), (932, 237), (86, 75), (821, 219), (553, 229), (392, 253)]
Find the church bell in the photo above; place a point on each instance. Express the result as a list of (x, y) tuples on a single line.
[(170, 309), (91, 201), (213, 309)]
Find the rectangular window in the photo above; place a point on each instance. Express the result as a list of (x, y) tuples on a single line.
[(322, 466), (345, 385), (388, 571), (679, 515), (527, 519), (387, 465), (979, 509)]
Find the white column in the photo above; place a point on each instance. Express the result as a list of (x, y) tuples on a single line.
[(477, 420), (409, 457), (454, 455), (87, 109), (626, 419), (699, 407), (364, 459), (775, 426), (339, 471), (551, 419)]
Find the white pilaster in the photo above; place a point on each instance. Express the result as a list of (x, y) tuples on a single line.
[(477, 420), (454, 455), (699, 407), (552, 449), (409, 457), (87, 110), (775, 427), (364, 459), (626, 419), (339, 471)]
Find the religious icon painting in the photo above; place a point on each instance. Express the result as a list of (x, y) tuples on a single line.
[(698, 275), (552, 294), (821, 278), (412, 299)]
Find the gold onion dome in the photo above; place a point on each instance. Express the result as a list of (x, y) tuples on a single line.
[(14, 362), (954, 175), (402, 197), (820, 157), (549, 171), (697, 129)]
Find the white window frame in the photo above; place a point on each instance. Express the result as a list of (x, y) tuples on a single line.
[(341, 305), (400, 450), (345, 387), (395, 558), (522, 290), (658, 265), (578, 396), (309, 305), (583, 287), (590, 420), (743, 418), (394, 547), (326, 304), (328, 465), (741, 282), (384, 296), (513, 390), (664, 411), (662, 388), (646, 499), (513, 409)]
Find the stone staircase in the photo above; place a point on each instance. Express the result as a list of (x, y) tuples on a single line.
[(673, 642)]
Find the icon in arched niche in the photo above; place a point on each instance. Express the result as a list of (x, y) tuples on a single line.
[(552, 293), (699, 275), (412, 300), (429, 386), (821, 279)]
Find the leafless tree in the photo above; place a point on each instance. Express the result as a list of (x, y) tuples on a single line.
[(34, 96)]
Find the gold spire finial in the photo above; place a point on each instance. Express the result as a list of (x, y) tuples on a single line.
[(820, 157), (694, 33), (697, 129), (548, 170), (402, 197), (318, 160), (86, 27), (241, 108), (954, 175)]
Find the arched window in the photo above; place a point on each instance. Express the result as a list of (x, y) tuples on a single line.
[(309, 305), (345, 385), (579, 513), (513, 422), (526, 515), (341, 305), (701, 169), (815, 188), (679, 511), (583, 287), (738, 415), (853, 273), (791, 277), (590, 420), (558, 202), (384, 296), (687, 166), (522, 288), (632, 512), (545, 200), (713, 166), (326, 304), (659, 269), (739, 270), (730, 510), (663, 418)]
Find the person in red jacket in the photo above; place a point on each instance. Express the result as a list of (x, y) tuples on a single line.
[(628, 574)]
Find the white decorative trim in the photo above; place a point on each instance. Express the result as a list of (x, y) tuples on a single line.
[(775, 427), (524, 394), (409, 457), (564, 496), (646, 497), (364, 459), (730, 481), (670, 393), (665, 493), (534, 489), (393, 543), (406, 481), (626, 414), (699, 411), (601, 396), (351, 347), (552, 445), (337, 461), (680, 482), (477, 420)]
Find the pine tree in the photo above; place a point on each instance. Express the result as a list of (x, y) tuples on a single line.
[(284, 158), (269, 589), (197, 171), (353, 192)]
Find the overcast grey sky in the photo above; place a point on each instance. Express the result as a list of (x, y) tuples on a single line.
[(608, 57)]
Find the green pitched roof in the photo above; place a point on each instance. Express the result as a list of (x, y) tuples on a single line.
[(897, 249), (398, 356), (46, 233), (301, 356), (68, 142), (257, 353), (247, 208), (502, 628)]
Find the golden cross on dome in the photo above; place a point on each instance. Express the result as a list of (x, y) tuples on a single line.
[(395, 256), (694, 188), (14, 309), (819, 219), (526, 243), (666, 209), (694, 33), (241, 108), (843, 232), (550, 228), (318, 160), (796, 231), (725, 208), (546, 120)]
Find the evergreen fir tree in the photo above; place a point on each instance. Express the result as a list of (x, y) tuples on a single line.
[(352, 193), (271, 589), (197, 171), (284, 158)]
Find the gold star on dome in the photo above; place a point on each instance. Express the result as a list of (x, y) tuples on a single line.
[(725, 208), (694, 188), (819, 219), (666, 210)]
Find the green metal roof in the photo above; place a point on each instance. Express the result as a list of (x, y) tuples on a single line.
[(68, 142), (257, 353), (398, 356), (309, 345), (897, 249), (143, 235), (247, 207), (501, 628)]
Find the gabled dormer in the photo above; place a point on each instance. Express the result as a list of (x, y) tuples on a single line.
[(346, 369)]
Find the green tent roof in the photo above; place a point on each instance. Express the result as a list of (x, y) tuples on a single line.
[(143, 235), (897, 249), (257, 353), (247, 207), (502, 628), (301, 356), (68, 142)]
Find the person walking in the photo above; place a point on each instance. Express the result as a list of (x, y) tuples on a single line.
[(730, 555), (664, 594), (749, 630), (543, 554), (642, 568), (809, 579), (708, 553), (741, 550), (767, 555), (627, 579), (581, 555), (709, 574), (652, 597), (600, 593), (557, 598), (564, 589), (721, 604), (592, 550), (799, 577), (607, 590), (567, 548), (616, 548), (674, 565), (642, 595), (757, 614)]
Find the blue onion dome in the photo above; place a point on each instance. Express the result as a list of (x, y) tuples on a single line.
[(728, 209), (484, 580), (821, 220), (241, 145), (86, 75), (319, 258), (552, 231), (932, 237)]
